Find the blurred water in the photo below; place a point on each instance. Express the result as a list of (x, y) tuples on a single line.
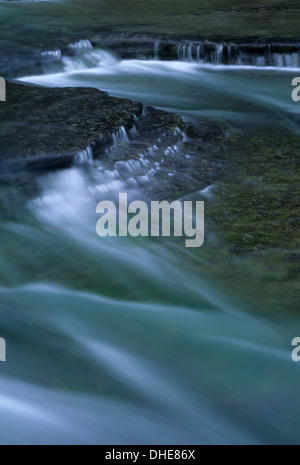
[(122, 341)]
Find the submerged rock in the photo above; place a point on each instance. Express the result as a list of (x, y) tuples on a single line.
[(45, 128)]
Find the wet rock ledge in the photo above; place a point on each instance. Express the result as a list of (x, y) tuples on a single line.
[(43, 128)]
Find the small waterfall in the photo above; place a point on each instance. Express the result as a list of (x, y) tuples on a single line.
[(156, 50), (84, 157), (185, 52), (113, 174), (279, 60), (198, 53), (81, 46), (239, 55), (128, 167), (169, 152), (120, 137), (229, 54), (179, 52), (133, 173), (84, 58), (264, 59), (133, 131), (115, 140), (296, 60), (201, 52), (83, 55), (289, 61), (49, 56), (123, 135)]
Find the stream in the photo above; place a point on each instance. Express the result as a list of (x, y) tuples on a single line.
[(137, 340)]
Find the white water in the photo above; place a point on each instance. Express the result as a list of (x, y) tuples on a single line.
[(156, 82), (84, 156)]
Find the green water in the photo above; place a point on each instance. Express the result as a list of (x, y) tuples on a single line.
[(142, 341), (37, 24)]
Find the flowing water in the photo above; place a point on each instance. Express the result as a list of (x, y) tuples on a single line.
[(137, 341)]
